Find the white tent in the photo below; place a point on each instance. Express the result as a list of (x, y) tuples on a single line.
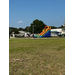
[(56, 32)]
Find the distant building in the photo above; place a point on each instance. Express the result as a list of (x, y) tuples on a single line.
[(57, 32), (21, 34)]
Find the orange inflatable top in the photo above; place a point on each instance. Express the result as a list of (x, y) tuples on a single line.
[(49, 27)]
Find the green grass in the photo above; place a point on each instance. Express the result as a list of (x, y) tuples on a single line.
[(37, 56)]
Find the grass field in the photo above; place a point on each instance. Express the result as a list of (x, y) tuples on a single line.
[(37, 56)]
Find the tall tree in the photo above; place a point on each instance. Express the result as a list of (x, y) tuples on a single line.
[(12, 29), (62, 26), (37, 26), (53, 27), (26, 29), (20, 29)]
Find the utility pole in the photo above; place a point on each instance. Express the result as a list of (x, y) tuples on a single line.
[(28, 28), (33, 29)]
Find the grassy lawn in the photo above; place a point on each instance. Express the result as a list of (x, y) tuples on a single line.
[(37, 56)]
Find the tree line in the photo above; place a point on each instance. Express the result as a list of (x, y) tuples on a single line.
[(35, 27)]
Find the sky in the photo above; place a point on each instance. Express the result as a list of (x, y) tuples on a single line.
[(23, 12)]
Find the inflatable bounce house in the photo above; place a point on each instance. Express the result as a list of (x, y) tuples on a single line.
[(46, 32)]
